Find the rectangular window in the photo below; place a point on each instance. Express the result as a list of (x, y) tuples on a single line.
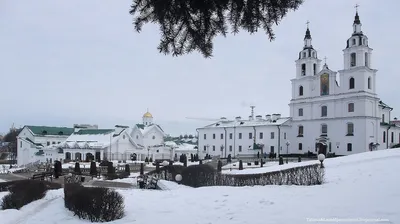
[(272, 149), (21, 143), (205, 148), (230, 135), (315, 69), (349, 147), (392, 137), (272, 135), (303, 69), (213, 147), (240, 135), (240, 148), (48, 143), (213, 136), (350, 129), (300, 146), (261, 135), (205, 136), (250, 135), (230, 148), (284, 135), (222, 136), (300, 112), (353, 59), (351, 107), (53, 143), (300, 131)]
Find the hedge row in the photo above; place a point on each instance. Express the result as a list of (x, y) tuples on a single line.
[(94, 204), (23, 192), (205, 175)]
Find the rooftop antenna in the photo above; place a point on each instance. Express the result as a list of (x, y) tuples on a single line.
[(252, 112)]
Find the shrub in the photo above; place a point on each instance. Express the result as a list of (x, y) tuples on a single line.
[(303, 175), (280, 160), (103, 163), (24, 192), (240, 165), (151, 160), (157, 167), (110, 168), (185, 162), (77, 168), (200, 162), (146, 160), (113, 176), (57, 169), (191, 157), (198, 175), (93, 169), (127, 168), (219, 166), (94, 204), (141, 169), (256, 163)]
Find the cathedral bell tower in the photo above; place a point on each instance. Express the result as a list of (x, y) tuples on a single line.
[(308, 63), (357, 74)]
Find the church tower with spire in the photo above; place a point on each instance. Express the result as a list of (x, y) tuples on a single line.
[(357, 74), (307, 66), (308, 63)]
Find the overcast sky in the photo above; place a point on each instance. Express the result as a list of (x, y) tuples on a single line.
[(66, 62)]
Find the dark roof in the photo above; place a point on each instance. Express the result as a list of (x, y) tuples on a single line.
[(46, 130), (141, 126), (384, 105), (93, 131), (121, 126), (29, 140)]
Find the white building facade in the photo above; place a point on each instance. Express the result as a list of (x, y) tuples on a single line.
[(329, 115), (241, 137)]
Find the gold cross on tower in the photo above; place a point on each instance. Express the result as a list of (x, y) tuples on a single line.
[(308, 22), (357, 5), (325, 59)]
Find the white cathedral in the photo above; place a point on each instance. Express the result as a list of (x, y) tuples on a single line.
[(326, 115), (88, 142)]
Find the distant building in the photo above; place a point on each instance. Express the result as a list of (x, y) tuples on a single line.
[(88, 142)]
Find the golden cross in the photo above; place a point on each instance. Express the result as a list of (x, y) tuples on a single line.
[(325, 59), (357, 5), (308, 22)]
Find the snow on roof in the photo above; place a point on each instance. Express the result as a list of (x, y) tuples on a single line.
[(186, 147), (247, 123)]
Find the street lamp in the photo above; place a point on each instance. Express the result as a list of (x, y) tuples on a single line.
[(287, 151), (321, 158), (178, 178), (222, 151)]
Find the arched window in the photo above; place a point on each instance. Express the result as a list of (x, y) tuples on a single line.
[(303, 69), (349, 147), (351, 83), (369, 82), (324, 129), (300, 131), (300, 146), (350, 129), (324, 111), (353, 59), (301, 91), (304, 54), (354, 41), (366, 59), (350, 107)]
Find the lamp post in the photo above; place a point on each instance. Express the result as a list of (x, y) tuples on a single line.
[(207, 148), (178, 178), (222, 151), (165, 163), (321, 158), (287, 151)]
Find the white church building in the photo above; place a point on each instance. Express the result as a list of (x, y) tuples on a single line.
[(327, 114), (88, 142)]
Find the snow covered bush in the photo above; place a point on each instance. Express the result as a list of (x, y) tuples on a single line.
[(24, 192), (93, 169), (77, 168), (95, 204), (198, 175), (303, 175)]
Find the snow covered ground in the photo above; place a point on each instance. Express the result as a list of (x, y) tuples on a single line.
[(363, 187)]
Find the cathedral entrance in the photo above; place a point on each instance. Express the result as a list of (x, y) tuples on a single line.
[(321, 145)]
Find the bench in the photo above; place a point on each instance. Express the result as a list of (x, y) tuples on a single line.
[(43, 176)]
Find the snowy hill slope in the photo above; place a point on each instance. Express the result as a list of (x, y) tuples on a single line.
[(363, 186)]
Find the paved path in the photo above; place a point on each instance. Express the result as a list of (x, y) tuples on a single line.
[(109, 184), (12, 176)]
